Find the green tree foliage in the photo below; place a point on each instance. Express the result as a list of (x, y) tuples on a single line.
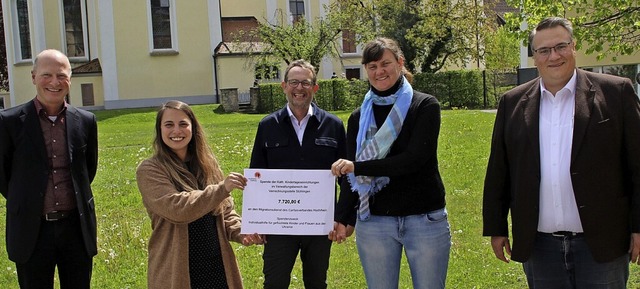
[(502, 51), (281, 41), (502, 58), (432, 34), (603, 27)]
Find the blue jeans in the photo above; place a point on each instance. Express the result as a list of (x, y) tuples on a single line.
[(566, 262), (426, 240)]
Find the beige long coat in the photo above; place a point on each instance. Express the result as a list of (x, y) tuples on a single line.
[(171, 211)]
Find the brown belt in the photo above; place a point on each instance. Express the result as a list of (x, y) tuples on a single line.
[(57, 215)]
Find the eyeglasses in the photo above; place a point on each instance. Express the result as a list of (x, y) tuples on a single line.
[(559, 48), (293, 83)]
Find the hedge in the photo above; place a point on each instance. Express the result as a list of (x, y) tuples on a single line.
[(463, 89)]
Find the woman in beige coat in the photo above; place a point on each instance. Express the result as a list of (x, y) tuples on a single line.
[(192, 213)]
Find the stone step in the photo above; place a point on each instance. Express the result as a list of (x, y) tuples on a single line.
[(244, 107)]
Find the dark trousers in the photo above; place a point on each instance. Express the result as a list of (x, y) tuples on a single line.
[(566, 263), (59, 243), (280, 254)]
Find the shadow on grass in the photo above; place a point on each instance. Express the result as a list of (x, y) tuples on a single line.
[(220, 110)]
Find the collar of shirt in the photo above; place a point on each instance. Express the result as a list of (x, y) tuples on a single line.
[(293, 117), (43, 112), (299, 126), (571, 86)]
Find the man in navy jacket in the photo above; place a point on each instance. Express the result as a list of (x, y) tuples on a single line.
[(299, 136)]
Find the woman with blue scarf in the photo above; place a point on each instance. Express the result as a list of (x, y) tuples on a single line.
[(393, 193)]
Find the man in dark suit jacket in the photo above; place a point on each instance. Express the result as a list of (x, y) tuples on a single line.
[(565, 162), (48, 159), (299, 136)]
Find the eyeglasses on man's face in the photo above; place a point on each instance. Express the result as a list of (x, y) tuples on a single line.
[(293, 83), (560, 48)]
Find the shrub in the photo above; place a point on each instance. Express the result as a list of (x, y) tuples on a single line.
[(454, 89), (334, 94)]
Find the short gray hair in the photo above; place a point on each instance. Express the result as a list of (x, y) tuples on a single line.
[(302, 64)]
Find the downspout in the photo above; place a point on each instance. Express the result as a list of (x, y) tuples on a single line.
[(88, 48), (215, 74), (215, 52)]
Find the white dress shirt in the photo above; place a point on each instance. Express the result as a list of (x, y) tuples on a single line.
[(300, 126), (558, 209)]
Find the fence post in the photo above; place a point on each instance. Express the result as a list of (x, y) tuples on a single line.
[(449, 90), (484, 87), (229, 99), (254, 93)]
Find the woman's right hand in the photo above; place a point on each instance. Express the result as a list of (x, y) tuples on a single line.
[(342, 167), (253, 239), (340, 232), (235, 181)]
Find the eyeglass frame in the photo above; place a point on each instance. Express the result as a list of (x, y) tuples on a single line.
[(305, 83), (554, 48)]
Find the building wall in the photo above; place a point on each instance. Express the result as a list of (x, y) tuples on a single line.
[(235, 72), (22, 88), (349, 61), (75, 92), (133, 76), (237, 8), (52, 24), (142, 75)]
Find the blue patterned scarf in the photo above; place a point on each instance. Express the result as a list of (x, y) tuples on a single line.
[(374, 144)]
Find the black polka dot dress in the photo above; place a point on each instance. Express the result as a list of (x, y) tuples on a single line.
[(206, 270)]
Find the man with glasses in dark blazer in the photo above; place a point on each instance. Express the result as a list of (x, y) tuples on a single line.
[(565, 162)]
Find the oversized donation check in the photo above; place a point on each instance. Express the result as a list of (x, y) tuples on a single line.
[(288, 202)]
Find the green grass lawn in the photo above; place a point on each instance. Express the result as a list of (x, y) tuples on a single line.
[(124, 227)]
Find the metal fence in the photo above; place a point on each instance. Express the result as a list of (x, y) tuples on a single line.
[(244, 97)]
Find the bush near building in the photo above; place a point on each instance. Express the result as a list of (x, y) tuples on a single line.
[(459, 89)]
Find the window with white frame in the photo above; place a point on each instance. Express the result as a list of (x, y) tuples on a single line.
[(74, 29), (162, 24), (22, 35), (296, 10)]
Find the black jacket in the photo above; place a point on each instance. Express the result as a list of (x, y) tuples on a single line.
[(415, 185), (24, 171)]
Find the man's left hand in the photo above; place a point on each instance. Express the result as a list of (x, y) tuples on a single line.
[(634, 248)]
